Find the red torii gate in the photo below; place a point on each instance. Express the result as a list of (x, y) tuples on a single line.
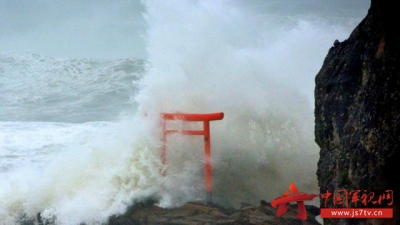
[(205, 118)]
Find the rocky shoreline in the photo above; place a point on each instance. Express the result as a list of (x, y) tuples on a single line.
[(201, 213)]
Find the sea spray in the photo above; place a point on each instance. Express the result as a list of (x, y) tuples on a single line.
[(258, 69)]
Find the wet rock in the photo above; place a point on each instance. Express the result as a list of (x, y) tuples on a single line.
[(357, 113), (201, 213)]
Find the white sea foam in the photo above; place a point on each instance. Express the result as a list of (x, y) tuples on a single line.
[(204, 56), (105, 169)]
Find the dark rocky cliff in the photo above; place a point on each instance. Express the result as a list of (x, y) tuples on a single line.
[(357, 114)]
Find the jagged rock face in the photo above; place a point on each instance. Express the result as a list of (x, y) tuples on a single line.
[(357, 112)]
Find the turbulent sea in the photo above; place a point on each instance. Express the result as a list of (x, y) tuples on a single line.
[(80, 138)]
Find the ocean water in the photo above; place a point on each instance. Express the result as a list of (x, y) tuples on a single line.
[(80, 138)]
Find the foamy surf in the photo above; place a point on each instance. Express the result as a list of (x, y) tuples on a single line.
[(86, 180)]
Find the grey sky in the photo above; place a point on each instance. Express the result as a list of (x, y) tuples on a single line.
[(107, 29), (73, 28)]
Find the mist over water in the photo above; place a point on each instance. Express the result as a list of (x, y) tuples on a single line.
[(75, 158)]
